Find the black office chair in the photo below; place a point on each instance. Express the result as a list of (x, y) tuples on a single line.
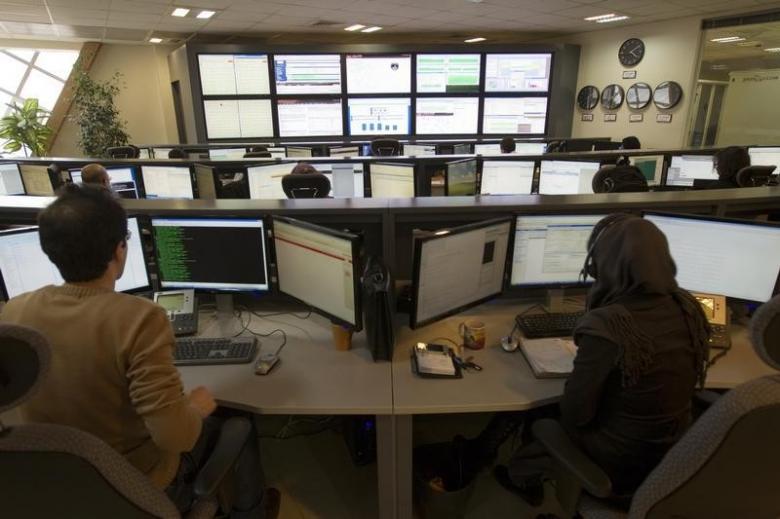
[(555, 147), (258, 154), (385, 147), (309, 185), (177, 153), (123, 152), (754, 176), (258, 148), (619, 179)]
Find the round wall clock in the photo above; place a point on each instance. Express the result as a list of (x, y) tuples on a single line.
[(667, 95), (631, 52), (588, 97), (638, 96), (612, 97)]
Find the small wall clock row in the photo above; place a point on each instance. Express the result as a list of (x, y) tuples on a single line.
[(638, 96)]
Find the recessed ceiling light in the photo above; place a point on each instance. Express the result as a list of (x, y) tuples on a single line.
[(474, 40), (355, 27), (599, 17), (719, 67), (155, 40), (728, 39), (613, 19), (372, 29), (206, 14), (772, 49), (180, 12)]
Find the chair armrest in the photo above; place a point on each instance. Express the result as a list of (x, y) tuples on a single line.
[(551, 434), (232, 437), (705, 398)]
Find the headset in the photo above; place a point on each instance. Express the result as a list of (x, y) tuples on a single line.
[(589, 267)]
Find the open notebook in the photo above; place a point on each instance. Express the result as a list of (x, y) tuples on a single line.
[(550, 358)]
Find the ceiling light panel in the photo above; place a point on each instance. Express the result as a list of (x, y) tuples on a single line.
[(355, 27), (180, 12), (205, 14)]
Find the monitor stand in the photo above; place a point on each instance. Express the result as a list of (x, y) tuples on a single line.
[(227, 322), (555, 301)]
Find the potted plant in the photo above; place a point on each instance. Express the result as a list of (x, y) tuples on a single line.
[(25, 128)]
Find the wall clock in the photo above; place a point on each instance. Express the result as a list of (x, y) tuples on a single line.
[(588, 97), (631, 52), (638, 96), (667, 95), (612, 97)]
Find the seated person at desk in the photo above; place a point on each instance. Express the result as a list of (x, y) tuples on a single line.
[(95, 174), (642, 349), (303, 168), (508, 145), (112, 371), (728, 162)]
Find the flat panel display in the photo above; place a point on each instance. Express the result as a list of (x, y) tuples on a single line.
[(379, 74), (517, 72), (234, 74), (507, 177), (506, 115), (307, 74), (392, 180), (566, 177), (684, 169), (448, 73), (309, 118), (167, 181), (238, 118), (379, 116), (265, 182), (447, 115), (10, 180)]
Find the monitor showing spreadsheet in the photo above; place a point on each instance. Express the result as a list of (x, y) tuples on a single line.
[(455, 269), (122, 179), (307, 73), (508, 115), (346, 178), (168, 181), (391, 180), (379, 74), (309, 117), (447, 115), (36, 180), (234, 74), (517, 72), (566, 177), (685, 168), (487, 149), (10, 180), (227, 153), (530, 148), (460, 178), (734, 258), (549, 250), (419, 150), (448, 73), (379, 116), (265, 182), (769, 156), (507, 177), (25, 267), (238, 118)]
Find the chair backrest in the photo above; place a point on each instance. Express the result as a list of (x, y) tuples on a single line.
[(257, 155), (385, 147), (310, 185), (754, 176), (619, 179), (177, 153), (123, 152)]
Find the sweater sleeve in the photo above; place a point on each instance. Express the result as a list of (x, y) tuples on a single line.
[(594, 361), (155, 386)]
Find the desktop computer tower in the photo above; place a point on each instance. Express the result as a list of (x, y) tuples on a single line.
[(360, 438)]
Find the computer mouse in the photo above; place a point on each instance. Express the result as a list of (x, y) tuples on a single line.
[(265, 363)]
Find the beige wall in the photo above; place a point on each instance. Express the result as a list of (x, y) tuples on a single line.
[(672, 49), (145, 101)]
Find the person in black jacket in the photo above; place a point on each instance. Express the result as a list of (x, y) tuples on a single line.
[(728, 162)]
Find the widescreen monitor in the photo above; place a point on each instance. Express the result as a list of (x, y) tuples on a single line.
[(391, 180), (227, 153), (507, 177), (236, 118), (460, 178), (234, 74), (566, 177), (419, 150), (10, 180), (487, 149), (265, 182), (446, 115), (455, 269), (346, 178), (379, 116), (36, 180), (122, 179), (321, 267), (168, 182), (379, 74), (769, 156), (213, 254), (511, 115), (517, 72), (448, 73), (309, 117), (307, 74), (684, 169)]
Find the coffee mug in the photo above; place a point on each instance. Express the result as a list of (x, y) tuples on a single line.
[(473, 333)]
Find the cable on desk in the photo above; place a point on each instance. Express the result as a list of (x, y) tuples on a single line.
[(276, 314), (717, 357), (457, 346), (245, 328)]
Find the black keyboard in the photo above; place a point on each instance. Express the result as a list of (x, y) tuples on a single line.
[(199, 350), (548, 325)]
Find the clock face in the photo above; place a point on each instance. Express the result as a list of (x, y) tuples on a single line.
[(638, 96), (667, 95), (612, 97), (588, 97), (631, 52)]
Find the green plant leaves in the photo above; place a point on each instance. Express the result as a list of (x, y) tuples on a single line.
[(25, 127)]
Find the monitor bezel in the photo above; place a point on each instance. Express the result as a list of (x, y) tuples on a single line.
[(476, 175), (539, 176), (510, 159), (420, 239), (356, 242), (720, 219), (18, 172), (170, 164), (367, 171)]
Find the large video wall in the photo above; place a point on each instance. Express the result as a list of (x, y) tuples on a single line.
[(362, 95)]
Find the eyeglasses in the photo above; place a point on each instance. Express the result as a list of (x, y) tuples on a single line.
[(128, 235)]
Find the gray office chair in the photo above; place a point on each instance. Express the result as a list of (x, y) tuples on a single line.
[(726, 465), (308, 185), (123, 152), (49, 470), (385, 147), (754, 176)]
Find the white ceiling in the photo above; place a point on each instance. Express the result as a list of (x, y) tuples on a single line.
[(135, 20)]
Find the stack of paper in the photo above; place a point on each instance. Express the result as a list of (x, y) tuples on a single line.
[(550, 357)]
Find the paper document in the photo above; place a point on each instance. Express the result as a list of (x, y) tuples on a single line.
[(435, 363), (550, 357)]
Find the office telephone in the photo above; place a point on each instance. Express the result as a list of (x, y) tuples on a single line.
[(717, 313), (181, 308)]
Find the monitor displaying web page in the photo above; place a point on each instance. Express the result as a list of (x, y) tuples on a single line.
[(487, 149), (419, 150), (507, 115), (457, 268), (734, 258), (379, 74), (167, 181), (10, 180), (346, 179), (265, 182), (122, 180), (566, 177), (447, 115), (651, 166), (309, 118), (25, 267), (392, 180), (517, 72), (765, 157), (234, 74), (308, 73), (36, 180), (507, 177), (379, 116), (461, 178), (685, 168), (448, 73), (550, 249), (227, 153), (238, 118)]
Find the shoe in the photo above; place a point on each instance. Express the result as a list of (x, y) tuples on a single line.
[(271, 503), (531, 492)]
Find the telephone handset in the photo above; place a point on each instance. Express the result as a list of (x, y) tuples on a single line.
[(717, 313), (181, 308)]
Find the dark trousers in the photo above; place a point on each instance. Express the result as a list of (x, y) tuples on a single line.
[(246, 478)]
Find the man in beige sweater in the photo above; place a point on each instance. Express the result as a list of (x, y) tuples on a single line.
[(112, 371)]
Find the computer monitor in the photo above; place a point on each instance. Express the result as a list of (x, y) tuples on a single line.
[(307, 73), (234, 74), (419, 150), (379, 116), (565, 177), (237, 119), (298, 151), (344, 151), (122, 179), (507, 177), (461, 149), (448, 73), (765, 157), (379, 73), (321, 267), (10, 180), (460, 178), (530, 148), (168, 182), (207, 182), (346, 178), (455, 269), (487, 149), (685, 168), (651, 166), (509, 115), (227, 153), (309, 117), (391, 180), (446, 115), (25, 267), (265, 182), (36, 180), (739, 259), (550, 250), (277, 152), (517, 72), (213, 254)]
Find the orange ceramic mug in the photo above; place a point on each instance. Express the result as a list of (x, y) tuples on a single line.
[(473, 333)]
